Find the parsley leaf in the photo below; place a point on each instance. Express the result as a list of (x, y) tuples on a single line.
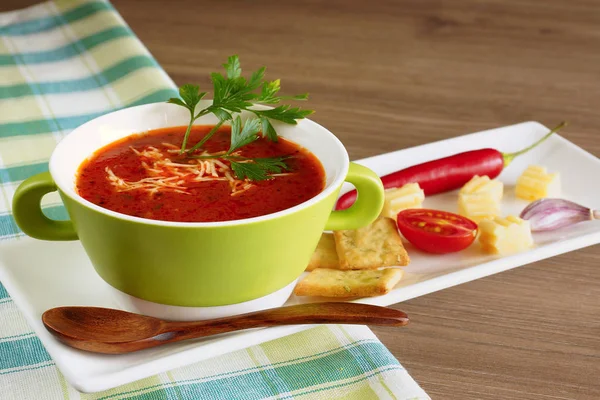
[(256, 78), (284, 113), (179, 102), (221, 114), (219, 87), (191, 96), (268, 92), (258, 169), (273, 164), (267, 129), (248, 171), (233, 67), (243, 135)]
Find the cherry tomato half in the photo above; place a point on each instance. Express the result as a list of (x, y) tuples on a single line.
[(436, 231)]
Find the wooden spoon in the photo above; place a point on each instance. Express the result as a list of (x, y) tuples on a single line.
[(108, 331)]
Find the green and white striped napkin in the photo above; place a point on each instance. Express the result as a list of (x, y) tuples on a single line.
[(63, 63)]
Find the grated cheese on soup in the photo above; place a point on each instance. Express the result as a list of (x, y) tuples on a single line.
[(167, 175)]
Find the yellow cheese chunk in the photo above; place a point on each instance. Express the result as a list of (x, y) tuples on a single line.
[(408, 196), (536, 183), (480, 198), (505, 235)]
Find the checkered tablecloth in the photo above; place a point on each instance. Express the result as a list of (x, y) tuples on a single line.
[(63, 63)]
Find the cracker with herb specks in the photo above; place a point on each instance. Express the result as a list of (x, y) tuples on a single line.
[(374, 246), (335, 283), (325, 255)]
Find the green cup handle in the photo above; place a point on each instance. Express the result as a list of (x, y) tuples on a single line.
[(368, 204), (27, 210)]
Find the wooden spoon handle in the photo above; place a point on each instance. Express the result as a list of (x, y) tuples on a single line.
[(316, 313)]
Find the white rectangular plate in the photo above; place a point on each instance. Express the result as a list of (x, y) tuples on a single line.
[(41, 275)]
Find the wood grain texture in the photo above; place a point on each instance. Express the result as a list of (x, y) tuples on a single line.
[(386, 75)]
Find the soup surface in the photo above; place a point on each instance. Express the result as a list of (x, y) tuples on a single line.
[(144, 176)]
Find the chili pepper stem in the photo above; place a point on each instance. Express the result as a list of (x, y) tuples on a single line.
[(511, 156)]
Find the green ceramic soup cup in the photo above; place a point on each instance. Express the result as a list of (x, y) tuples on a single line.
[(194, 264)]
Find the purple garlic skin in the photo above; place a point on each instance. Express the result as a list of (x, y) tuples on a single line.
[(550, 214)]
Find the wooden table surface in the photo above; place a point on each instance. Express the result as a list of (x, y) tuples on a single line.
[(386, 75)]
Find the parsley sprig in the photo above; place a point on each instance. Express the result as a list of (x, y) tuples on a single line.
[(232, 94)]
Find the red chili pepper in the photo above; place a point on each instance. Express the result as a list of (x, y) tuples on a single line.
[(449, 173)]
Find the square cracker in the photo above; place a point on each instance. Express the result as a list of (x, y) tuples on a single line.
[(325, 255), (374, 246), (336, 283)]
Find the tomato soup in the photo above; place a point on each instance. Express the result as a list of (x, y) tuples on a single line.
[(145, 176)]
